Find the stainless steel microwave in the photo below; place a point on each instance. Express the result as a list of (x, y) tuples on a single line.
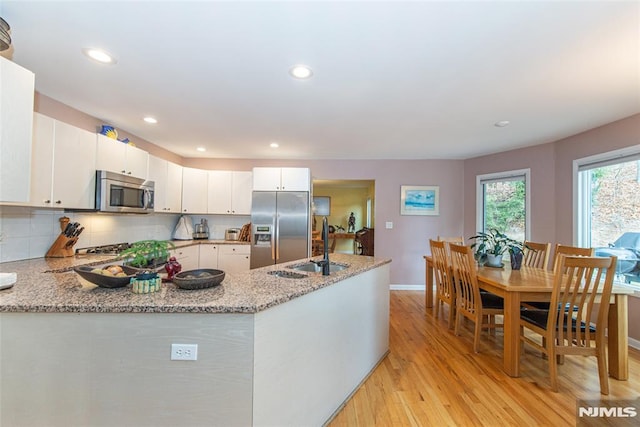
[(122, 193)]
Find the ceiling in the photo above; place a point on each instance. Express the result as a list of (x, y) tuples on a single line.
[(392, 80)]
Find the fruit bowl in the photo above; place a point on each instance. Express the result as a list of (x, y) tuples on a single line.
[(89, 274), (199, 279)]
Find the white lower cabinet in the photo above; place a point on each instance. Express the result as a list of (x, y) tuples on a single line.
[(187, 256), (208, 256), (228, 258), (234, 258)]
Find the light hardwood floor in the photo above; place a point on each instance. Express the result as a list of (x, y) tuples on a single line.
[(433, 378)]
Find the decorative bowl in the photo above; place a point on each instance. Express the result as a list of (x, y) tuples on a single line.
[(199, 279), (106, 281)]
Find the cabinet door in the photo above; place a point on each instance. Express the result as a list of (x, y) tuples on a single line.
[(42, 160), (173, 195), (74, 167), (110, 154), (266, 179), (219, 192), (188, 257), (158, 174), (136, 161), (194, 190), (208, 256), (241, 187), (16, 127), (234, 258), (295, 179)]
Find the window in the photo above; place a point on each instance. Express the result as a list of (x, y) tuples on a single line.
[(608, 208), (502, 202)]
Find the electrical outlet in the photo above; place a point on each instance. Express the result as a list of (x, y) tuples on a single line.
[(184, 351)]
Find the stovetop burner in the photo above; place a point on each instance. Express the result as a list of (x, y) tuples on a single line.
[(113, 249)]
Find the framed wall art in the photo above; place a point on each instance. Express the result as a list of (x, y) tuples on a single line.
[(419, 200)]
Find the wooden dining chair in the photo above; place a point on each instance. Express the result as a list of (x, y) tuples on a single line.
[(536, 254), (458, 240), (569, 251), (470, 302), (559, 251), (445, 290), (568, 329)]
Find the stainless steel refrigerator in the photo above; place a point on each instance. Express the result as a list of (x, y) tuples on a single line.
[(280, 227)]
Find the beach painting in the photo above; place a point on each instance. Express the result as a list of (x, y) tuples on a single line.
[(419, 200)]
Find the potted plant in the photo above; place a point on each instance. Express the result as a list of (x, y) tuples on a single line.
[(147, 253), (147, 256), (491, 245)]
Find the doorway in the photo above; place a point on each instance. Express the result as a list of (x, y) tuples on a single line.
[(346, 197)]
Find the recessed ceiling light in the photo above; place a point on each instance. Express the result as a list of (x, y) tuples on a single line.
[(99, 55), (201, 149), (501, 123), (150, 120), (274, 145), (301, 72)]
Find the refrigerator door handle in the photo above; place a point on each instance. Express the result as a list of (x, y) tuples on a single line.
[(275, 245)]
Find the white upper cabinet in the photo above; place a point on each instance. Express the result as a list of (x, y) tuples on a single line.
[(115, 156), (173, 196), (16, 119), (42, 161), (63, 165), (194, 190), (281, 179), (229, 192), (167, 177)]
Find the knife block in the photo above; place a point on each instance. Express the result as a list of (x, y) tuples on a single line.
[(63, 246)]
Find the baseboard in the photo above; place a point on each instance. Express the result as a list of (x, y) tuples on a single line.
[(399, 287), (634, 343)]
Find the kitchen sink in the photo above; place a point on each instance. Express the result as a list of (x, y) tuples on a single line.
[(312, 267)]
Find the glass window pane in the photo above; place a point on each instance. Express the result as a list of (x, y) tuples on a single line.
[(504, 207), (611, 215)]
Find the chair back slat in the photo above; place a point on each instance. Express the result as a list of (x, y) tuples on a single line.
[(441, 269), (465, 279), (574, 296), (536, 254), (570, 251)]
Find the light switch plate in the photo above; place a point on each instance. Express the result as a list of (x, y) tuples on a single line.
[(388, 225)]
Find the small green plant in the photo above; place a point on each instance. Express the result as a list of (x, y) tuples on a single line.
[(145, 252), (493, 242)]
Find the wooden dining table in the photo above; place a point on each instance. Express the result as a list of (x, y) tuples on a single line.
[(535, 284)]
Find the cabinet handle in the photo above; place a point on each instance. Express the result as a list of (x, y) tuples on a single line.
[(123, 171), (129, 173), (47, 201), (58, 202)]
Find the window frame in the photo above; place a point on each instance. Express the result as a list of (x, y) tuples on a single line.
[(580, 236), (504, 176)]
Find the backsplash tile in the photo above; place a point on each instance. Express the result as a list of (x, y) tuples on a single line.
[(29, 232)]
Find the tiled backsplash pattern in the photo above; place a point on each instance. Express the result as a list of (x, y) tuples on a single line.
[(29, 232)]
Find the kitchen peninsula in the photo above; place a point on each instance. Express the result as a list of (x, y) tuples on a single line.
[(271, 350)]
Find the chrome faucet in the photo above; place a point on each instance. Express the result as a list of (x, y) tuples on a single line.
[(325, 238)]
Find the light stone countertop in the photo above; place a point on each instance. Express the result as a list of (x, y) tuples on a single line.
[(49, 285)]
